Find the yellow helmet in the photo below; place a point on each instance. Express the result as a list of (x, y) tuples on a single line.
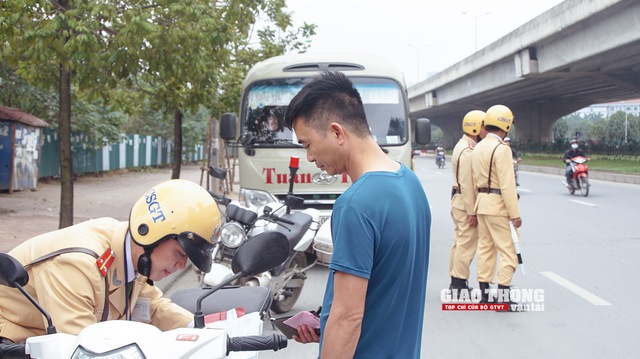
[(180, 209), (499, 116), (472, 122)]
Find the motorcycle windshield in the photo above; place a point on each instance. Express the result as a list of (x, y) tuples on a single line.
[(265, 104)]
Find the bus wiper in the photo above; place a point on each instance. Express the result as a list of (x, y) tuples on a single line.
[(278, 142)]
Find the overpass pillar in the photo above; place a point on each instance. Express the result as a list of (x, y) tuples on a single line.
[(451, 131), (534, 121)]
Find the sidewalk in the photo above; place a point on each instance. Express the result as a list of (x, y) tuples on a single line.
[(29, 213)]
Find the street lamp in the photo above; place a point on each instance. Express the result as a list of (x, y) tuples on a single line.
[(418, 48), (475, 26)]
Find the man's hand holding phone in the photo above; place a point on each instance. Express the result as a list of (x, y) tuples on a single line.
[(303, 327)]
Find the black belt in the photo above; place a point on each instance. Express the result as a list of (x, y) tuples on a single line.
[(489, 190), (455, 191)]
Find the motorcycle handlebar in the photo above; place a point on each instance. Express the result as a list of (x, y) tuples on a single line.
[(274, 342), (280, 219), (220, 198)]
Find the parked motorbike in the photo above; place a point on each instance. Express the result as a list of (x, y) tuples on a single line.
[(580, 177), (241, 224), (440, 158), (130, 339)]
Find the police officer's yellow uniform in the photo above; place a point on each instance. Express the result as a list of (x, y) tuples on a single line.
[(463, 198), (71, 288), (496, 204)]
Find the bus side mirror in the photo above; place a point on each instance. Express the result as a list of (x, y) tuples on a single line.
[(423, 131), (228, 126)]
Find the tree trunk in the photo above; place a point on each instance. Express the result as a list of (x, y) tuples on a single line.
[(177, 144), (66, 164)]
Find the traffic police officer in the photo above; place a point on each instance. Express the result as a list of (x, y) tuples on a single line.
[(496, 203), (463, 198), (174, 221)]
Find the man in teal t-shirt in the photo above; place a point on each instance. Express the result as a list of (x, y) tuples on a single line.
[(376, 291)]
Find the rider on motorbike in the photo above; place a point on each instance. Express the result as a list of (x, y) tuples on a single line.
[(574, 151), (516, 158), (440, 153)]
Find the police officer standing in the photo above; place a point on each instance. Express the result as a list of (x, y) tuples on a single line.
[(496, 203), (463, 198)]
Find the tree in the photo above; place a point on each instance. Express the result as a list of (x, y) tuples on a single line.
[(177, 48), (615, 129), (18, 93), (560, 129), (599, 131)]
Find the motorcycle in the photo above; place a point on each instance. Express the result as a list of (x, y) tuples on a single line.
[(580, 176), (129, 339), (440, 158), (242, 223)]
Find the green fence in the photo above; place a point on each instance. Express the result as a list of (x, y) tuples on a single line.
[(133, 151)]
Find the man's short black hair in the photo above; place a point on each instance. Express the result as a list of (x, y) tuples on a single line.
[(329, 97)]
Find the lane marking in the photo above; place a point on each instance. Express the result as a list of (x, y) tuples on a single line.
[(576, 289), (584, 203), (524, 190)]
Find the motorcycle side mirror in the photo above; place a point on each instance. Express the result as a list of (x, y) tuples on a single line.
[(12, 272), (256, 255), (294, 202), (260, 253), (217, 172)]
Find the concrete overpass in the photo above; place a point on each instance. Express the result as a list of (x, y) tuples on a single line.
[(576, 54)]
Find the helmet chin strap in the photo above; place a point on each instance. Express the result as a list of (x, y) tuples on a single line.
[(144, 264)]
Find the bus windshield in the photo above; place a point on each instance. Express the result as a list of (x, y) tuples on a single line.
[(265, 103)]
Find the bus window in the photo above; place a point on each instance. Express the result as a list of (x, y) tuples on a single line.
[(265, 104)]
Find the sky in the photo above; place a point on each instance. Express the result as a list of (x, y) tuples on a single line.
[(420, 37)]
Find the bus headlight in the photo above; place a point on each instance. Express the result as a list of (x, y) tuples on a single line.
[(255, 199)]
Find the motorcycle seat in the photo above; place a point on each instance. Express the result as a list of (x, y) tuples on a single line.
[(252, 299), (295, 233)]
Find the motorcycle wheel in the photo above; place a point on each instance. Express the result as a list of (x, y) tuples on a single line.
[(291, 294), (584, 186), (572, 190)]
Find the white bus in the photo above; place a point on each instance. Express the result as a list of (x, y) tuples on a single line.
[(265, 145)]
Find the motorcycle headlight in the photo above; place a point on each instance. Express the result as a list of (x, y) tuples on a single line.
[(254, 199), (232, 234), (131, 351)]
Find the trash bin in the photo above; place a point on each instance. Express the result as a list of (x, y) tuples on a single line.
[(20, 142)]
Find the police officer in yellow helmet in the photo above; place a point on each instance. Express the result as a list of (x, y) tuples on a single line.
[(103, 269), (161, 214), (463, 198), (496, 204)]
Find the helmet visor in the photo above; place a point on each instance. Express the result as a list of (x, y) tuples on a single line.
[(197, 249)]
